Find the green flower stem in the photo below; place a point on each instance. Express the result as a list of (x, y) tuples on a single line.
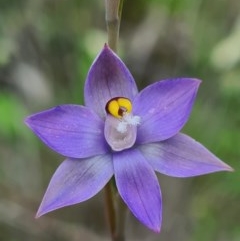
[(113, 19), (115, 208)]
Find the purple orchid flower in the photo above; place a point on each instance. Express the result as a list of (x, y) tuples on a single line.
[(125, 133)]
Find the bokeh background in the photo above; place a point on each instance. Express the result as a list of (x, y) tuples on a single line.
[(46, 49)]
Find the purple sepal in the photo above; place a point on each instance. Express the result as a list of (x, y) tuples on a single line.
[(138, 186), (182, 156), (71, 130), (108, 77), (75, 181), (164, 108)]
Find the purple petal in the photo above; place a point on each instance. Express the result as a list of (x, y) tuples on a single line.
[(138, 186), (182, 156), (71, 130), (75, 181), (164, 108), (108, 77)]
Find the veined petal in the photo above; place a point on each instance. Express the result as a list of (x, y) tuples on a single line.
[(75, 181), (164, 108), (182, 156), (138, 186), (108, 77), (71, 130)]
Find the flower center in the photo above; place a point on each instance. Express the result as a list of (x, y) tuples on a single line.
[(121, 108), (120, 125)]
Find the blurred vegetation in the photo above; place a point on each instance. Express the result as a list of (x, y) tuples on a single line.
[(46, 49)]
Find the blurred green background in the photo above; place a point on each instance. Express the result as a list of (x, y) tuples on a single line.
[(46, 49)]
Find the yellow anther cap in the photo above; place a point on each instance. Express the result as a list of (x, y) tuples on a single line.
[(118, 106)]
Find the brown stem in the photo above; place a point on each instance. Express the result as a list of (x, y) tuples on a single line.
[(115, 213), (121, 216), (115, 216), (110, 209)]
